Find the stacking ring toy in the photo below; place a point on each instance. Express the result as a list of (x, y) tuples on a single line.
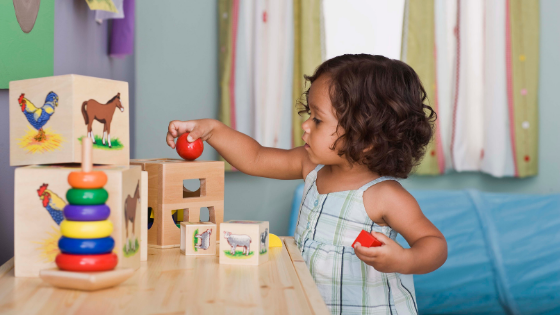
[(86, 212), (101, 262), (87, 196), (93, 246), (87, 180), (78, 229)]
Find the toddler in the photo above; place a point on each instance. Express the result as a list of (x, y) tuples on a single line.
[(368, 127)]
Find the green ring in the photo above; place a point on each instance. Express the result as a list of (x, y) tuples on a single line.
[(87, 196)]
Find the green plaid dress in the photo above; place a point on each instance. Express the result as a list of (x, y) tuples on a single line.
[(327, 226)]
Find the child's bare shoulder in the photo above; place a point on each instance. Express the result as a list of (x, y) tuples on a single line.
[(387, 196)]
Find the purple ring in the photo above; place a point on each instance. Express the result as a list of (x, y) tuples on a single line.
[(86, 212)]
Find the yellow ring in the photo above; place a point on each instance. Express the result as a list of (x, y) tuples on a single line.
[(85, 229)]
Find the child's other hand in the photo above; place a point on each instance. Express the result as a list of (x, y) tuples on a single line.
[(386, 258), (196, 128)]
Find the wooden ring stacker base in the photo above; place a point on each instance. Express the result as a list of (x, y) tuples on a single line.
[(87, 281)]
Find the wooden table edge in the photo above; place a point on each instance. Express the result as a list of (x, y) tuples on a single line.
[(312, 294)]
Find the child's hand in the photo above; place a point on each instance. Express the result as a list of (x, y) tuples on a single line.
[(197, 129), (387, 258)]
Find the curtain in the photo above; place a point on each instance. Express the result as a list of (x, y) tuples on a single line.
[(478, 61), (266, 47)]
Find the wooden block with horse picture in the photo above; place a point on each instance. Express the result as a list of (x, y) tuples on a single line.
[(50, 116), (41, 204)]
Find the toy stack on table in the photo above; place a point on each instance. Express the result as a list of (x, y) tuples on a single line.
[(85, 221), (86, 244)]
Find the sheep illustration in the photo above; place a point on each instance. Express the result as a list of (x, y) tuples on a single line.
[(264, 235), (238, 240), (204, 239)]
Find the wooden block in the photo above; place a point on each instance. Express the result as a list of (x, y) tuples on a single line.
[(144, 217), (244, 242), (167, 193), (85, 281), (40, 196), (367, 240), (198, 238), (47, 128)]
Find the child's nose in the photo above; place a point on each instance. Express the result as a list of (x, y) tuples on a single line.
[(305, 125)]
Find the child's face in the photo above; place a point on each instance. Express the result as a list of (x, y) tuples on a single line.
[(321, 127)]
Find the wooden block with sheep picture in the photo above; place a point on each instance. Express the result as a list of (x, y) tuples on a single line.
[(244, 242), (50, 116), (40, 206), (198, 238)]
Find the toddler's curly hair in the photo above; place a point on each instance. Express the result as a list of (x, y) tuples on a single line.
[(379, 103)]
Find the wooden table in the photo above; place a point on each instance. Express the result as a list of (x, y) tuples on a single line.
[(170, 283)]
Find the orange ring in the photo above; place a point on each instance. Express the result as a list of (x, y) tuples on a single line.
[(87, 180)]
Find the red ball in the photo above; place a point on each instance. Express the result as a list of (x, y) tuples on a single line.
[(189, 150), (102, 262)]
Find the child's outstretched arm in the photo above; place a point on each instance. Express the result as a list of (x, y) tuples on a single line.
[(242, 151)]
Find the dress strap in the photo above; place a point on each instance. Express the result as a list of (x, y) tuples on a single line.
[(377, 180), (312, 176), (318, 167)]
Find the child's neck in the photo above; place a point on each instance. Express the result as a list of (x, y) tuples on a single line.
[(332, 178)]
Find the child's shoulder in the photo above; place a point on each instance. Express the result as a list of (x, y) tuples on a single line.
[(386, 196)]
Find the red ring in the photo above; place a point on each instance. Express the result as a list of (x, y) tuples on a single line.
[(101, 262)]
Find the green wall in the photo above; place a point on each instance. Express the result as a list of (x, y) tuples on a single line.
[(177, 78)]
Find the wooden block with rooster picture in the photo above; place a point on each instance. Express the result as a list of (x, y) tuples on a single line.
[(41, 204), (50, 116)]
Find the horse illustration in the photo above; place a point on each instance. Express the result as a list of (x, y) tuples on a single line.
[(130, 204), (103, 113)]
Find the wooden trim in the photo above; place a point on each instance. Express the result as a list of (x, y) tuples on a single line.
[(311, 292), (6, 267)]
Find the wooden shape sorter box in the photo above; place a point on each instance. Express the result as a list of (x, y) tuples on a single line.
[(40, 196), (167, 193), (198, 238), (244, 242), (49, 117)]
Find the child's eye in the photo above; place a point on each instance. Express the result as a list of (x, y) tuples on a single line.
[(317, 121)]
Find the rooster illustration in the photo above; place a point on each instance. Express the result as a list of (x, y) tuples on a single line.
[(52, 202), (38, 116)]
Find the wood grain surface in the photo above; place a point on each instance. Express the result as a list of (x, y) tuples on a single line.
[(171, 283)]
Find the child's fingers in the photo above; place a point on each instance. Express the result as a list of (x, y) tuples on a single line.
[(170, 140), (381, 237), (194, 134), (366, 251)]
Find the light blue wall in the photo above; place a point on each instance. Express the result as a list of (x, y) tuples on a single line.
[(177, 78)]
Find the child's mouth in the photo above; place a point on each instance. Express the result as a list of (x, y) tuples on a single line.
[(307, 146)]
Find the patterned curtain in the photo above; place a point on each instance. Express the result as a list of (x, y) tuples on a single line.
[(266, 47), (478, 61)]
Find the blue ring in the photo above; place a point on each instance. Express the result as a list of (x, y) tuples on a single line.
[(91, 246), (86, 212)]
